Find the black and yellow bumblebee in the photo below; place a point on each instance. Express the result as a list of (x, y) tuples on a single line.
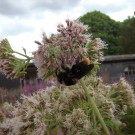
[(70, 76)]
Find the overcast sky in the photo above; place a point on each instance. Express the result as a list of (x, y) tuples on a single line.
[(22, 21)]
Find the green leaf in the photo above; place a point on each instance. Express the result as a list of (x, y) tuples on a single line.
[(129, 120), (24, 50), (114, 126)]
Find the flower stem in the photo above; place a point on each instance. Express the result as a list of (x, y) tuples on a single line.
[(94, 123), (92, 103), (23, 55), (95, 132)]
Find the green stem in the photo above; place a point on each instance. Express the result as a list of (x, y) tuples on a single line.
[(95, 132), (23, 55), (94, 123), (92, 103)]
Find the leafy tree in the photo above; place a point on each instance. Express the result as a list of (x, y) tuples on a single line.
[(104, 27), (127, 38)]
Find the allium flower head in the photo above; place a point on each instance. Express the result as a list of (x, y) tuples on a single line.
[(65, 48)]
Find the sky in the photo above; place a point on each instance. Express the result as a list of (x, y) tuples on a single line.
[(23, 21)]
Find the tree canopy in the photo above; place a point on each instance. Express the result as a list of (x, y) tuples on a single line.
[(127, 36), (101, 25)]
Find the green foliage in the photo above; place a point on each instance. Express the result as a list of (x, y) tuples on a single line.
[(101, 25), (10, 65), (127, 39), (113, 126), (129, 120)]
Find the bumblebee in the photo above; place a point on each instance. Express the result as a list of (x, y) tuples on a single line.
[(78, 70)]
